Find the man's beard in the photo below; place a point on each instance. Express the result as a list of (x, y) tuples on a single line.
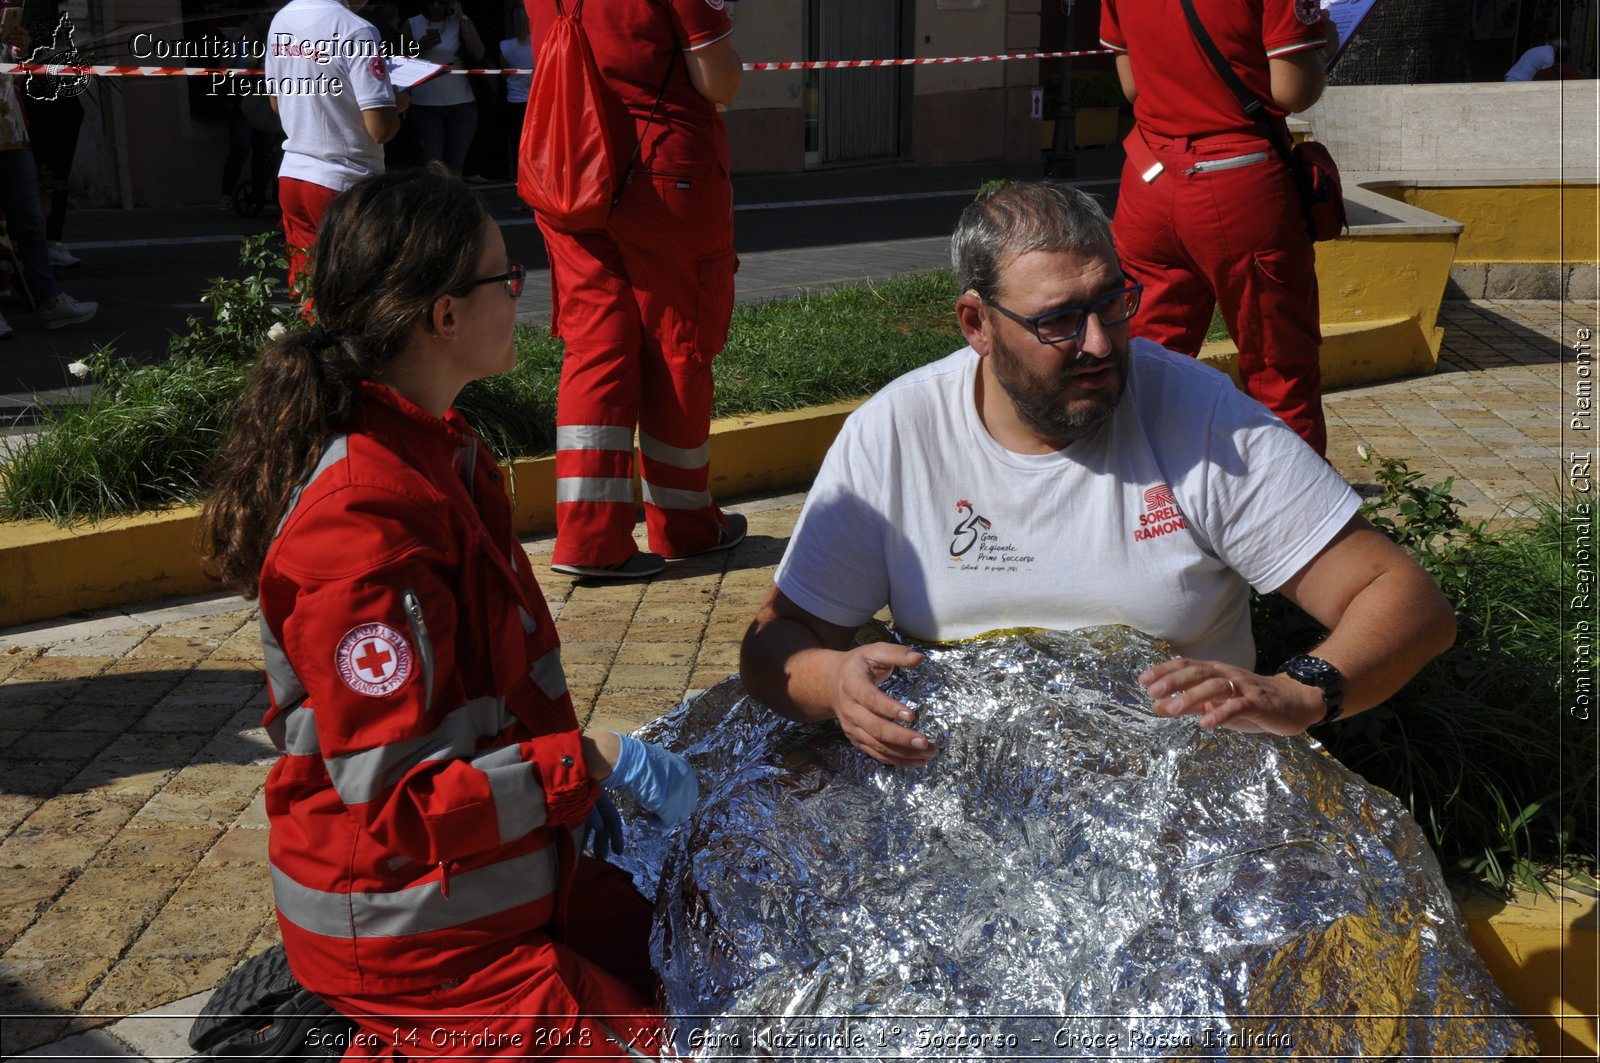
[(1040, 402)]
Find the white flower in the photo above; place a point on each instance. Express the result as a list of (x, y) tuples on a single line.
[(78, 369), (1362, 452), (277, 332)]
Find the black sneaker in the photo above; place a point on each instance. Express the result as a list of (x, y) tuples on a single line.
[(733, 534), (641, 565)]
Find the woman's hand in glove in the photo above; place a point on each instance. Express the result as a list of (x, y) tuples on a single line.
[(602, 831), (658, 779)]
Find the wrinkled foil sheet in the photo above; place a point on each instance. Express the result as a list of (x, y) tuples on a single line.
[(1071, 877)]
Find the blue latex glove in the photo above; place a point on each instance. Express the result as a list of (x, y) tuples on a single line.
[(602, 831), (658, 778)]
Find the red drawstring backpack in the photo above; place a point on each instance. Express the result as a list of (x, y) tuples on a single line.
[(565, 170)]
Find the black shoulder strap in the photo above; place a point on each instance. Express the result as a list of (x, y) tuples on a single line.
[(672, 61), (1253, 108)]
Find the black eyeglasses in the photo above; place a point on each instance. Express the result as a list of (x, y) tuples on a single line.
[(511, 279), (1065, 324)]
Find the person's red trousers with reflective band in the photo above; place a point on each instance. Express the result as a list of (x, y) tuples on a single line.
[(303, 204), (1232, 237), (590, 993), (643, 307)]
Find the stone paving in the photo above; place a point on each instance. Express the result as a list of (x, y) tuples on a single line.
[(132, 836)]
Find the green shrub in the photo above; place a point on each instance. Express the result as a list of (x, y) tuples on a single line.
[(142, 440), (144, 436), (1478, 745)]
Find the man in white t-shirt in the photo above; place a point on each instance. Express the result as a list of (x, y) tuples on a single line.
[(1054, 475), (329, 79)]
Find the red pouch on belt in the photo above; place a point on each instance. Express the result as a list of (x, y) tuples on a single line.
[(1321, 193)]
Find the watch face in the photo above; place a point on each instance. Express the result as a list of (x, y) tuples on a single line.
[(1315, 666), (1315, 671)]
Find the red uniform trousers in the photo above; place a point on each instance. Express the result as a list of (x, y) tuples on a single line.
[(303, 204), (573, 997), (644, 307), (1232, 237)]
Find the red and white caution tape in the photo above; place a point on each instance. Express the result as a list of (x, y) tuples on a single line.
[(818, 64), (61, 70), (842, 64)]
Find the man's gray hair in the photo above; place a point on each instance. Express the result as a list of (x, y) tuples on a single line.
[(1020, 217)]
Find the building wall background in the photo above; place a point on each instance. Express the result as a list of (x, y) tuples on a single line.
[(162, 141)]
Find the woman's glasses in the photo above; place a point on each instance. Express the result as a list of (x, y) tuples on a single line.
[(511, 279)]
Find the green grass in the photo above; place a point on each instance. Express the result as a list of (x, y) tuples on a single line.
[(786, 354), (142, 443), (1478, 745)]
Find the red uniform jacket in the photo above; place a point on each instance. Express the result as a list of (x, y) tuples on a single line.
[(431, 756)]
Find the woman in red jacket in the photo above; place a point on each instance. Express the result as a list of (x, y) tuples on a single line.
[(432, 775)]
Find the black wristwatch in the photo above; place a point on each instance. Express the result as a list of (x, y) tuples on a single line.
[(1315, 672)]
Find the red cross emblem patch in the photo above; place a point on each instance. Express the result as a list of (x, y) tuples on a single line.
[(373, 659)]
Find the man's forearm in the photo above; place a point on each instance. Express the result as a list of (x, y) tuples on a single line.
[(787, 669), (1390, 630)]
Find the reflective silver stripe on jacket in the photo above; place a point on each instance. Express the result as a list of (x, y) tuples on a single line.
[(334, 451), (287, 690), (594, 437), (284, 683), (420, 909), (360, 777), (675, 498), (295, 733), (519, 802), (549, 676), (594, 489), (681, 457)]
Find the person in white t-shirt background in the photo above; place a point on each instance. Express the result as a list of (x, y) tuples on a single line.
[(1054, 474), (333, 136), (1536, 60), (444, 112), (516, 53)]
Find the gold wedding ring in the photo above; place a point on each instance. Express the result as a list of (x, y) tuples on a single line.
[(1233, 691)]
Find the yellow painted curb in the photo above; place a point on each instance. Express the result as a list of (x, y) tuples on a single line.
[(47, 571), (1356, 352), (1545, 953)]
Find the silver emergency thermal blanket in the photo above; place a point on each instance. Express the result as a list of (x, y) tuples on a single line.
[(1072, 876)]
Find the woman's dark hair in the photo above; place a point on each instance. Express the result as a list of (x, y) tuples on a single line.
[(387, 249)]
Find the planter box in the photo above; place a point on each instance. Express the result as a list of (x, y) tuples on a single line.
[(1092, 127), (1095, 127), (47, 572), (1545, 953)]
